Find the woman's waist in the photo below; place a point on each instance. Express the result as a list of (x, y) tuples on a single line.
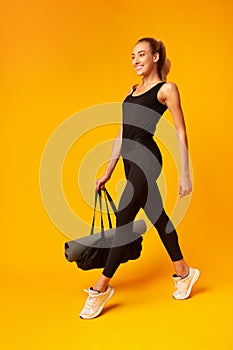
[(136, 133), (139, 141)]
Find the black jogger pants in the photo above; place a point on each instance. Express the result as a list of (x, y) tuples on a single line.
[(141, 191)]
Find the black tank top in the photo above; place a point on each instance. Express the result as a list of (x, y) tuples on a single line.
[(141, 113)]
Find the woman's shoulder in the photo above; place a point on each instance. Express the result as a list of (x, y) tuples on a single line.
[(169, 89), (169, 85), (167, 92)]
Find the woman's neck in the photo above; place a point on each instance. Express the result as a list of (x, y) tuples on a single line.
[(150, 79)]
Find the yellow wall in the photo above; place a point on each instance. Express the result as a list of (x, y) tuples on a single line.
[(58, 58)]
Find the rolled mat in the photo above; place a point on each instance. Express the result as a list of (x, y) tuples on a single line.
[(74, 248)]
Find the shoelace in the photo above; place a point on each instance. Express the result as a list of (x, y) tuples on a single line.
[(181, 286), (90, 300)]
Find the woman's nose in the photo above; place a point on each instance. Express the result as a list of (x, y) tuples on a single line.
[(136, 61)]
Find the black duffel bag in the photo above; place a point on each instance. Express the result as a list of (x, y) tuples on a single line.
[(91, 252)]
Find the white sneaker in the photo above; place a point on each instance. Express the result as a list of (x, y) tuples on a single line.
[(184, 285), (95, 302)]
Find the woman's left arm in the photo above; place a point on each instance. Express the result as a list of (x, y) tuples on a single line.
[(172, 99)]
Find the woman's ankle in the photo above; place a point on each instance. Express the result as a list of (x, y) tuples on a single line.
[(181, 268), (102, 284), (182, 272), (100, 289)]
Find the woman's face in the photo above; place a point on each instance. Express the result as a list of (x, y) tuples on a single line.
[(142, 59)]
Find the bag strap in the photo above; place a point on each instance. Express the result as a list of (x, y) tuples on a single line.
[(107, 198), (97, 194), (110, 201), (101, 214), (108, 213), (93, 219)]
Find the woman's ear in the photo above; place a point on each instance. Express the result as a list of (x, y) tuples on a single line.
[(156, 57)]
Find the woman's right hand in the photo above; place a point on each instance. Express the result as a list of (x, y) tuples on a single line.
[(100, 183)]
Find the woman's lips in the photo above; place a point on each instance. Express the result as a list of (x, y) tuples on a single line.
[(138, 67)]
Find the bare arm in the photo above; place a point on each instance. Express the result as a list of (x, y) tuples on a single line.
[(172, 100), (116, 152)]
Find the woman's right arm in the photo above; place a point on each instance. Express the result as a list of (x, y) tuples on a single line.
[(116, 152)]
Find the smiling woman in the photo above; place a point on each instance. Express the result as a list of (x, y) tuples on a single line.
[(142, 109), (141, 57)]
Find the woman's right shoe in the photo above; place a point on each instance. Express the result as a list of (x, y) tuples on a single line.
[(184, 285), (95, 302)]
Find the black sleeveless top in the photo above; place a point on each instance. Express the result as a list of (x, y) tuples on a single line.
[(141, 113)]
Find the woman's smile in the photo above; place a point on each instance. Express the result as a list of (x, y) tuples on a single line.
[(138, 67)]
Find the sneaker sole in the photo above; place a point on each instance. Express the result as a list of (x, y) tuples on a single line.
[(194, 280), (100, 310)]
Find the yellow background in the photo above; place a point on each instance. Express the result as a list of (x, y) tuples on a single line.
[(59, 57)]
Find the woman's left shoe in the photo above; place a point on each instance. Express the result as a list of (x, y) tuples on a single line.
[(184, 285), (95, 302)]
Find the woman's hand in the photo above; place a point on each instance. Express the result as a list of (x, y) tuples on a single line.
[(185, 186), (100, 183)]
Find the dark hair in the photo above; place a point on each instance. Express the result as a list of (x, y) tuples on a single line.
[(163, 62)]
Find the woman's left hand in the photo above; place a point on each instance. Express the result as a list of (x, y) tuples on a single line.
[(185, 186)]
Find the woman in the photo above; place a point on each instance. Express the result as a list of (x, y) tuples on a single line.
[(142, 109)]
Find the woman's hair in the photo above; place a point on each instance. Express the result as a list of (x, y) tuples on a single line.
[(164, 63)]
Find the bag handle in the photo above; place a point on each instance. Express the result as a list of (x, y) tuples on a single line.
[(97, 193), (107, 198), (110, 201), (108, 213), (93, 219)]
